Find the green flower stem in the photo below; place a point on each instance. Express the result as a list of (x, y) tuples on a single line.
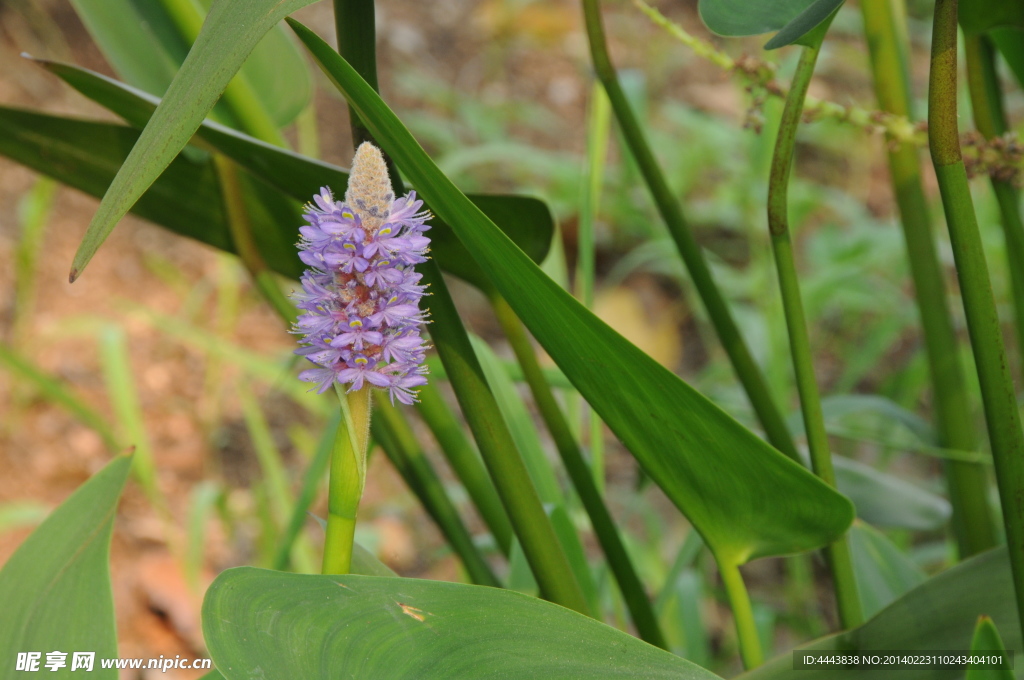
[(990, 119), (598, 124), (466, 463), (241, 233), (997, 393), (582, 477), (838, 553), (747, 370), (973, 524), (504, 462), (532, 526), (395, 436), (348, 475), (743, 613)]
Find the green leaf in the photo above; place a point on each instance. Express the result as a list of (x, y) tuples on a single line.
[(1010, 42), (794, 19), (884, 573), (938, 614), (808, 28), (843, 405), (981, 16), (526, 220), (56, 587), (745, 498), (137, 44), (186, 198), (987, 640), (146, 46), (260, 623), (229, 34), (885, 500), (365, 564)]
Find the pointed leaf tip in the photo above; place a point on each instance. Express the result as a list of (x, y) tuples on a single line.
[(73, 274)]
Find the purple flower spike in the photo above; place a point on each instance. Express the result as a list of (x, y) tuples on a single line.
[(360, 296)]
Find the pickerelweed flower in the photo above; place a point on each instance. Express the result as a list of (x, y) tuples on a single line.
[(360, 297)]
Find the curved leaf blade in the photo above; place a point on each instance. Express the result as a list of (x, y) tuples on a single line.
[(746, 499), (986, 641), (938, 614), (883, 572), (260, 623), (56, 587), (228, 36), (808, 27), (982, 16), (885, 500), (794, 19)]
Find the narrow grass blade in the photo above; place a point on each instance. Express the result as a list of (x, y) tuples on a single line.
[(54, 391)]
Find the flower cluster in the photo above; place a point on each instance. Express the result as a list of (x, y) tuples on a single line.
[(360, 298)]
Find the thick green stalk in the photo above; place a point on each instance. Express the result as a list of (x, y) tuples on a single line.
[(532, 526), (397, 439), (990, 119), (348, 475), (973, 524), (598, 123), (838, 553), (743, 614), (466, 464), (504, 462), (668, 206), (582, 477), (997, 392)]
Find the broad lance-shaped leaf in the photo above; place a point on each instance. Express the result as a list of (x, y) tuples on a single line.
[(231, 31), (186, 198), (526, 220), (269, 624), (939, 614), (793, 19), (746, 499), (55, 589)]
